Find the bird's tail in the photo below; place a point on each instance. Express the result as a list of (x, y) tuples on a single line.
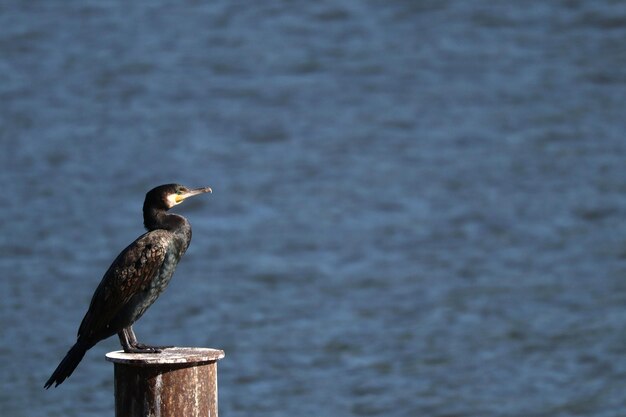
[(68, 364)]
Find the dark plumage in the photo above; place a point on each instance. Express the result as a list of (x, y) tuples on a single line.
[(135, 279)]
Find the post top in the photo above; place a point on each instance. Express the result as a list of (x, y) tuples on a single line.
[(173, 355)]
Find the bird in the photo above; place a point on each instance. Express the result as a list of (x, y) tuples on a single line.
[(135, 279)]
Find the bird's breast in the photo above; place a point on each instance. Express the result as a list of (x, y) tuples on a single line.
[(175, 251)]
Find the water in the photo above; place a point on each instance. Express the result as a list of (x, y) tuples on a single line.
[(418, 206)]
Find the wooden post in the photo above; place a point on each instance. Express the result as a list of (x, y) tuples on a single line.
[(174, 383)]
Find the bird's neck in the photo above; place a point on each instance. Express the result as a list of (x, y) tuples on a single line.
[(160, 219)]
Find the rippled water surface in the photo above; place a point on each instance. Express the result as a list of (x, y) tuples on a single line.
[(418, 210)]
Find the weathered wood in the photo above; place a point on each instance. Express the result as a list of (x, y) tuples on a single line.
[(176, 382)]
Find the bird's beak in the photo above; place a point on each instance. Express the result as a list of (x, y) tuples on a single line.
[(181, 197)]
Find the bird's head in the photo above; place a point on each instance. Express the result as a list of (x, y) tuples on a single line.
[(168, 195)]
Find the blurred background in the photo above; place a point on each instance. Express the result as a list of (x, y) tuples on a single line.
[(418, 205)]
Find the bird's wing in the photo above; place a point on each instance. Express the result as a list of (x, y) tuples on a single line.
[(131, 272)]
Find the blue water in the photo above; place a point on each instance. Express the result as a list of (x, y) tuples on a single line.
[(419, 206)]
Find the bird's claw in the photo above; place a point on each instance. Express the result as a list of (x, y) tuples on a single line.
[(159, 348), (142, 348)]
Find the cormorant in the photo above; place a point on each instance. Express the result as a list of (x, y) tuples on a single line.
[(135, 279)]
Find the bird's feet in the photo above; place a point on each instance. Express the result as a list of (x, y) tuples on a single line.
[(129, 343), (141, 348)]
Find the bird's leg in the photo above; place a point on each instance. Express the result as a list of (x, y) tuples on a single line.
[(132, 338), (125, 340), (140, 347), (130, 344)]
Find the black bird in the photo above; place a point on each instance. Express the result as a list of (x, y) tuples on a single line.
[(135, 279)]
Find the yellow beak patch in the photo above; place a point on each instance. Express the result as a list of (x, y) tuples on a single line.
[(174, 199)]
